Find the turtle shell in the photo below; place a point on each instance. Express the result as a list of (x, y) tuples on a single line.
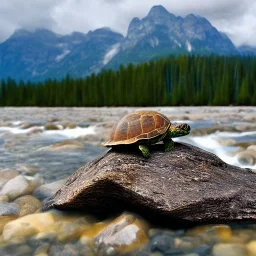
[(140, 125)]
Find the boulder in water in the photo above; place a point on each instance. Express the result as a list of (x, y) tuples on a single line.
[(188, 185)]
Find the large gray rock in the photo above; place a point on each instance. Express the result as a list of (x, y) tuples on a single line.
[(187, 185)]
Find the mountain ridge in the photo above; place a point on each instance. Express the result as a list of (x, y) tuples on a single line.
[(43, 54)]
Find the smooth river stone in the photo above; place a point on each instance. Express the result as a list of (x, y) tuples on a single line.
[(15, 187), (20, 185), (251, 248), (4, 220), (67, 145), (6, 175), (9, 209), (28, 205), (247, 157), (29, 225), (229, 250), (125, 234), (47, 190), (4, 198), (222, 233)]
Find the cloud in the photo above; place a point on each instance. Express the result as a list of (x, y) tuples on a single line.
[(237, 18)]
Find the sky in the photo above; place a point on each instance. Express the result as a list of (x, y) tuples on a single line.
[(237, 18)]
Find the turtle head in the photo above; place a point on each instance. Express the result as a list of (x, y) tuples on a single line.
[(178, 130)]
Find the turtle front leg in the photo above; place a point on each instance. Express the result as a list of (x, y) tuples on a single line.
[(145, 151), (168, 144)]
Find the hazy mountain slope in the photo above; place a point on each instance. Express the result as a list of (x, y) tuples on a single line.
[(43, 54)]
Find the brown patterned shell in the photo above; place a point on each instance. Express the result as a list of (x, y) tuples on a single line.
[(136, 126)]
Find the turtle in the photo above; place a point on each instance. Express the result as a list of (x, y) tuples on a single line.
[(144, 128)]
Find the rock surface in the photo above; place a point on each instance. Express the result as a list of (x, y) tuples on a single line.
[(124, 234), (188, 185)]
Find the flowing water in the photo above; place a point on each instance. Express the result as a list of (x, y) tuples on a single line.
[(57, 141)]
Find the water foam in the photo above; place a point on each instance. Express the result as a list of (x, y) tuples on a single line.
[(68, 133), (210, 143)]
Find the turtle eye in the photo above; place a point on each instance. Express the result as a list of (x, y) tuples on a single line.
[(184, 127)]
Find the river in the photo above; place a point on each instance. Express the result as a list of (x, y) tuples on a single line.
[(52, 143)]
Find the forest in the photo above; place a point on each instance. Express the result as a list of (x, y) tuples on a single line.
[(174, 81)]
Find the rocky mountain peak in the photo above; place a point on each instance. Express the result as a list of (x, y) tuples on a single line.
[(158, 10)]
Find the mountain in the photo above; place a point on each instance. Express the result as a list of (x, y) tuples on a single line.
[(247, 50), (43, 54), (161, 33)]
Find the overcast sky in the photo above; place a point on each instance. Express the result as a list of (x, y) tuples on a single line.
[(237, 18)]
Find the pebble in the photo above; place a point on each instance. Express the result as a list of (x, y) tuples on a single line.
[(47, 237), (252, 147), (247, 157), (251, 248), (4, 220), (125, 234), (9, 209), (48, 190), (155, 231), (4, 198), (6, 175), (229, 250), (28, 225), (28, 205), (16, 187), (43, 248), (162, 243), (67, 145), (51, 127), (212, 233), (72, 230)]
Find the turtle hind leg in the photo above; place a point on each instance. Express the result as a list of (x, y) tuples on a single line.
[(168, 145), (145, 151)]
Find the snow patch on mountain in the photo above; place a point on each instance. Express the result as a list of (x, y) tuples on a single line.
[(111, 53), (62, 56), (176, 42), (189, 46), (154, 42)]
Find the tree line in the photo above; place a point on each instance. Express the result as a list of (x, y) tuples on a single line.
[(175, 81)]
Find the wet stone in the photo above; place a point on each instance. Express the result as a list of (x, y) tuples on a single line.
[(162, 243), (203, 249), (229, 250), (156, 231), (72, 231), (28, 225), (42, 238), (51, 127), (56, 249), (28, 205), (251, 248), (85, 248), (41, 249), (4, 220), (9, 209), (15, 187), (125, 234), (64, 146), (47, 190), (4, 198), (6, 175)]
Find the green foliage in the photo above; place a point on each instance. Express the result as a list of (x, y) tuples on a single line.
[(178, 80)]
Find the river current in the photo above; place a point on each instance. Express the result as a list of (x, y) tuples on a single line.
[(52, 143)]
